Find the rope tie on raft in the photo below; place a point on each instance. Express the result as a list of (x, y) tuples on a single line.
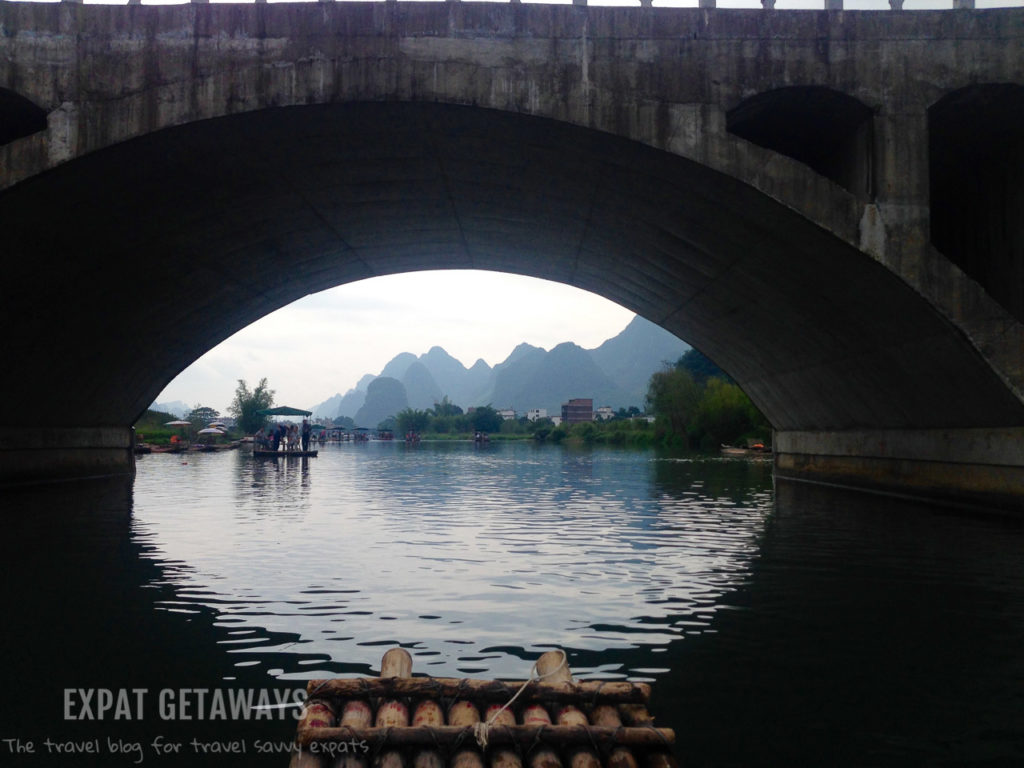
[(482, 730)]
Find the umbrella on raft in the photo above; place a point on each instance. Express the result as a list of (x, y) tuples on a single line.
[(211, 432)]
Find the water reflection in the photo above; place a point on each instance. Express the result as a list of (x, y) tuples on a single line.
[(871, 631), (508, 546), (90, 605), (812, 627)]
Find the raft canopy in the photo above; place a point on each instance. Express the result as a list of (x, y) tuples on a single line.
[(284, 410)]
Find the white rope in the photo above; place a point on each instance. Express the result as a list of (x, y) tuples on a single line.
[(481, 730)]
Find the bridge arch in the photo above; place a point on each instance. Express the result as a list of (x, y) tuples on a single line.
[(225, 220), (826, 129), (19, 117), (976, 162), (249, 154)]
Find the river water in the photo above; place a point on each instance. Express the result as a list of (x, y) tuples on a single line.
[(784, 624)]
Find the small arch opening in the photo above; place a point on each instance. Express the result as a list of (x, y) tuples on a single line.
[(19, 117), (825, 129), (976, 167)]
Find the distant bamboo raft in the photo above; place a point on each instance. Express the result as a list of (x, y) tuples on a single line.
[(554, 722)]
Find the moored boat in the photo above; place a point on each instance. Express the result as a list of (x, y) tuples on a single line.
[(755, 450)]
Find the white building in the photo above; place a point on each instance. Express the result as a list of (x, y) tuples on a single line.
[(537, 413), (507, 413), (604, 413)]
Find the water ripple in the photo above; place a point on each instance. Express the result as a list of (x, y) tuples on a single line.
[(478, 558)]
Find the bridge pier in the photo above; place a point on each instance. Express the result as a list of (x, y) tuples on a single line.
[(44, 455), (973, 467)]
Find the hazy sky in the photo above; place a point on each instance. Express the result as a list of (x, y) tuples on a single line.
[(324, 343)]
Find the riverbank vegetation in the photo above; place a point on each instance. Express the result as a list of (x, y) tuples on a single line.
[(151, 428), (691, 405), (697, 406), (247, 405), (448, 421)]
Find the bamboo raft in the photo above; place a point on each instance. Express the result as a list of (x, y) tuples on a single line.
[(548, 721)]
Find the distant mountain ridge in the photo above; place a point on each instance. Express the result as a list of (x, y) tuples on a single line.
[(616, 373), (176, 407)]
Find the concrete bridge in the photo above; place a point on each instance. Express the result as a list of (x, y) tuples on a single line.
[(827, 203)]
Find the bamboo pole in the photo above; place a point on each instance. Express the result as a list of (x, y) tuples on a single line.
[(545, 757), (500, 715), (584, 757), (536, 714), (598, 691), (393, 713), (318, 713), (391, 758), (395, 663), (464, 713), (505, 758), (469, 757), (554, 667), (637, 715), (607, 716), (357, 713), (428, 713)]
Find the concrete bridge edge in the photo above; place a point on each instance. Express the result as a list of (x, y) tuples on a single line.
[(975, 468), (40, 456)]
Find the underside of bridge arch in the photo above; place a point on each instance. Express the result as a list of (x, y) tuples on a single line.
[(19, 117), (828, 130), (126, 265), (976, 158)]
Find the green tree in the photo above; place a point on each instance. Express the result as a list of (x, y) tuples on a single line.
[(446, 408), (485, 419), (700, 367), (411, 420), (673, 397), (726, 415), (200, 416), (203, 414), (248, 402), (587, 432), (537, 425)]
